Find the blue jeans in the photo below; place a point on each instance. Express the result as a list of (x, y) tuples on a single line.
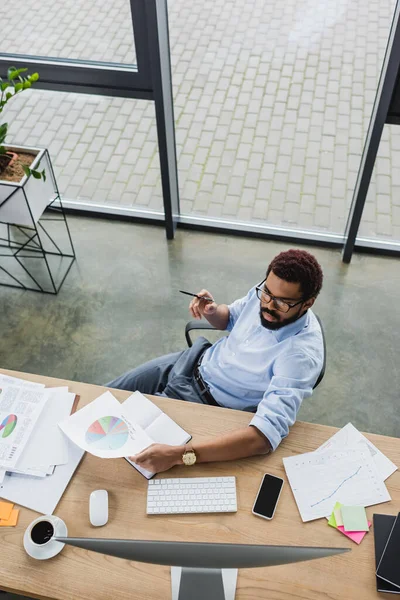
[(170, 375)]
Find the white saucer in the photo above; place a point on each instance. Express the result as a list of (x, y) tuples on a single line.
[(52, 548)]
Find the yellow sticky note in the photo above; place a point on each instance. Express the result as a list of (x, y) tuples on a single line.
[(12, 520), (5, 510), (338, 517)]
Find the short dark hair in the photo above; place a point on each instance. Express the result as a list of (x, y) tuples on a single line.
[(299, 266)]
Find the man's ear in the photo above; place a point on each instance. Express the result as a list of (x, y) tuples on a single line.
[(308, 303)]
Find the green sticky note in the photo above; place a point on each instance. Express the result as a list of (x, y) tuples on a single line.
[(354, 518), (332, 521)]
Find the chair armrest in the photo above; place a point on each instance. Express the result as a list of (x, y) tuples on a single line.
[(195, 325)]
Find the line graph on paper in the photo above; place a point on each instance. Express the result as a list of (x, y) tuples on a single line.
[(319, 480)]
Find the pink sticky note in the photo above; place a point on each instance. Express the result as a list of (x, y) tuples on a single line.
[(356, 536)]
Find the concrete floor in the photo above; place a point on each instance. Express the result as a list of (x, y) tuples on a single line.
[(120, 306)]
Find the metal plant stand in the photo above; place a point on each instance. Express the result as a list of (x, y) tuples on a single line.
[(30, 256)]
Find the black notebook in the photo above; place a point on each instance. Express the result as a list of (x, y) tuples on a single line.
[(383, 525)]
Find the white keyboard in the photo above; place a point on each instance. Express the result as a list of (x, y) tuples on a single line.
[(191, 495)]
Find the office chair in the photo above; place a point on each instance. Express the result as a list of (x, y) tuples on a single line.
[(192, 325)]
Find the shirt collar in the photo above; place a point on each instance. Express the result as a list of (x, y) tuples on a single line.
[(292, 328)]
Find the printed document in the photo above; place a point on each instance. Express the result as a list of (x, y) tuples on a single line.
[(106, 429), (20, 408), (159, 426), (47, 445), (348, 437), (320, 479)]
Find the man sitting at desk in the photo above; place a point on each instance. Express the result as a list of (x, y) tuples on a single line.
[(268, 364)]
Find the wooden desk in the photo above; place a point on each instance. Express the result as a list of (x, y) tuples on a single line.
[(81, 575)]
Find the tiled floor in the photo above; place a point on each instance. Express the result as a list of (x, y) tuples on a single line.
[(272, 105)]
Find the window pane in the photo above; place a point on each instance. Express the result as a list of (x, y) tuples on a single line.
[(76, 29), (104, 150), (273, 101), (381, 216)]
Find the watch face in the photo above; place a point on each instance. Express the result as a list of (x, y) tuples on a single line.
[(189, 458)]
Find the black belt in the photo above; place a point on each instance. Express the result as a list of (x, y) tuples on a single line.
[(205, 392)]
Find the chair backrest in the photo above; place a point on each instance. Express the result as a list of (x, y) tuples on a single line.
[(321, 375), (192, 325)]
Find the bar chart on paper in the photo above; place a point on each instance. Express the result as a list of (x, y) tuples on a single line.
[(319, 480)]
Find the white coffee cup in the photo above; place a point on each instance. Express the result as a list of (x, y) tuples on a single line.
[(39, 536)]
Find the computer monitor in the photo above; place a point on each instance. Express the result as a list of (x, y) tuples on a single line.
[(201, 563)]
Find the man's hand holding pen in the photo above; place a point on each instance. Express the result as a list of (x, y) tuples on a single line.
[(202, 304)]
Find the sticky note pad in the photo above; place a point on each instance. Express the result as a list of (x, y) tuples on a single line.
[(338, 517), (356, 536), (5, 510), (354, 518), (12, 520), (332, 521)]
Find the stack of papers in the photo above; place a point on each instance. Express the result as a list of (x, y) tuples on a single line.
[(8, 514), (348, 469), (35, 455), (351, 521)]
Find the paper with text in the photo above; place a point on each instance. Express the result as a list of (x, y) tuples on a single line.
[(348, 437), (320, 479), (20, 409), (104, 429)]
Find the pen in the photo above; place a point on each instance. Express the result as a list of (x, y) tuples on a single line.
[(197, 296)]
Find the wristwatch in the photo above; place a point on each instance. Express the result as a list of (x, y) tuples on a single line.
[(189, 456)]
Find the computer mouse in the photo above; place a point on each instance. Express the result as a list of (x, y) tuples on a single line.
[(98, 508)]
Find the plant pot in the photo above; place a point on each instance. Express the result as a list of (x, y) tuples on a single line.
[(23, 202)]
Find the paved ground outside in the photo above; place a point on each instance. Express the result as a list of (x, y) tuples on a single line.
[(272, 105)]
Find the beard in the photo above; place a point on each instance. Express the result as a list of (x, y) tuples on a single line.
[(274, 325)]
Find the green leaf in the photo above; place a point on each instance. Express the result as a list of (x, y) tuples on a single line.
[(44, 175), (3, 132), (34, 77), (36, 174), (4, 86), (27, 84), (2, 150), (18, 87), (13, 73), (27, 170)]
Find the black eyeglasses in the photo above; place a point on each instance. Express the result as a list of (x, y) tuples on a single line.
[(279, 304)]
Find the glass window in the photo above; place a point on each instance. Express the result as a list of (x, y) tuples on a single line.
[(273, 103), (75, 29), (381, 215), (104, 150)]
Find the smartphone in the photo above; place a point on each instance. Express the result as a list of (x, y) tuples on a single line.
[(268, 496)]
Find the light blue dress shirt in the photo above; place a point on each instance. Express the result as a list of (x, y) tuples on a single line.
[(255, 368)]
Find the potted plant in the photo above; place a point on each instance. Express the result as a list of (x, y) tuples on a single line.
[(22, 197)]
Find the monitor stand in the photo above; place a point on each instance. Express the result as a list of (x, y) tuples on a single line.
[(197, 584)]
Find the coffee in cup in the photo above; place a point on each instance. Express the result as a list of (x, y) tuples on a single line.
[(42, 533)]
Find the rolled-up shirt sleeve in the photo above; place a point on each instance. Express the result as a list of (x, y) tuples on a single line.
[(236, 308), (293, 380)]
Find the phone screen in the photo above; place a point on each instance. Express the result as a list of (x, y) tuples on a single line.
[(268, 495)]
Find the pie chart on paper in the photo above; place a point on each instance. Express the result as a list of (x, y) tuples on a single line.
[(107, 433), (8, 425)]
